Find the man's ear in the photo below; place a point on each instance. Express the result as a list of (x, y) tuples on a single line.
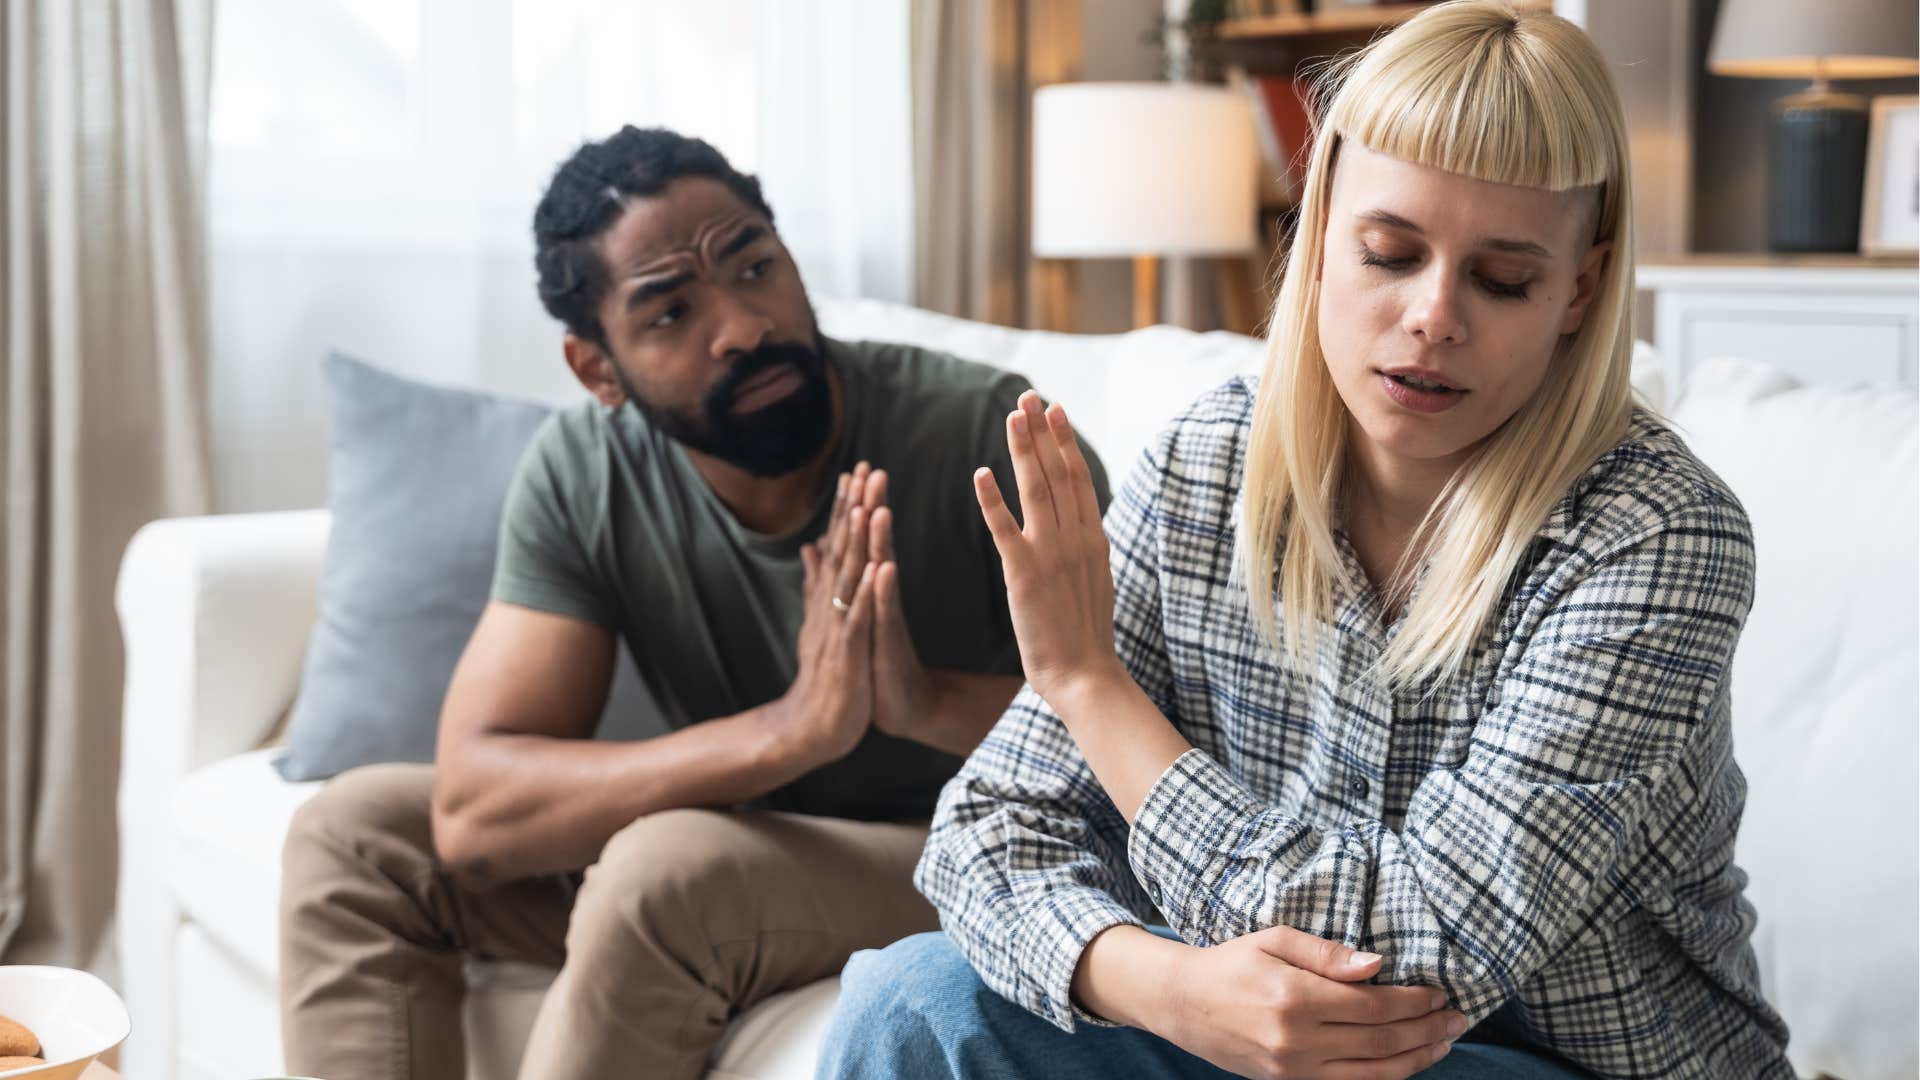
[(1586, 284), (594, 368)]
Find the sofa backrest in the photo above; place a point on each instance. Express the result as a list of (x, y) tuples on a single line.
[(1826, 685)]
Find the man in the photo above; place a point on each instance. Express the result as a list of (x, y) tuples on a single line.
[(782, 529)]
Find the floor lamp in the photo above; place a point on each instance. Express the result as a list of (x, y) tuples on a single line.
[(1142, 171)]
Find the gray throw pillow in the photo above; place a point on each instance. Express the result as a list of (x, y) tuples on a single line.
[(417, 475)]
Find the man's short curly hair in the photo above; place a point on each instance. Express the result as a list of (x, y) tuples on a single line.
[(587, 195)]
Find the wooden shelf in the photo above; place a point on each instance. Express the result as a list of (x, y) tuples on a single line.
[(1346, 20)]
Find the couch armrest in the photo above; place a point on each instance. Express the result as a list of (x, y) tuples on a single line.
[(215, 613), (214, 616)]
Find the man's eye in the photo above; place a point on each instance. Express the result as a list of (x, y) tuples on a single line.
[(674, 313), (757, 270)]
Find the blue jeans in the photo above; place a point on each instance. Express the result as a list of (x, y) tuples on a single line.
[(917, 1010)]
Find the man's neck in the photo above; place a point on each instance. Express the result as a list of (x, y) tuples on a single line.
[(775, 504)]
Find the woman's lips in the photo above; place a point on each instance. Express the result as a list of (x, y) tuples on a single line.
[(1423, 401)]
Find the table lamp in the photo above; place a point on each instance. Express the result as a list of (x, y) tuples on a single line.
[(1142, 170), (1817, 139)]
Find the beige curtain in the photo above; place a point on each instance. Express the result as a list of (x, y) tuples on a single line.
[(103, 339), (975, 65)]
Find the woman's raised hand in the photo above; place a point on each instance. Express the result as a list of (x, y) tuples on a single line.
[(1059, 584)]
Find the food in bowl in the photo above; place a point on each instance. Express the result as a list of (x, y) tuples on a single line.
[(72, 1015), (16, 1041)]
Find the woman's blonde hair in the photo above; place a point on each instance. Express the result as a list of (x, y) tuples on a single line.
[(1478, 88)]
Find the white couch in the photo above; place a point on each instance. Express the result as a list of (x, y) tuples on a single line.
[(215, 613)]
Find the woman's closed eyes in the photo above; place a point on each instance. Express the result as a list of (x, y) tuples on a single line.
[(1501, 290)]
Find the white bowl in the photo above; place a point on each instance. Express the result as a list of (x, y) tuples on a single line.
[(76, 1016)]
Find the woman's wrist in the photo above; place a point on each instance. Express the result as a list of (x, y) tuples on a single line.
[(1124, 974), (1127, 741), (1086, 692)]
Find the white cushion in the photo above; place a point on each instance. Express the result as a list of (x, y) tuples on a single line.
[(1825, 691), (227, 1012), (779, 1037), (230, 820)]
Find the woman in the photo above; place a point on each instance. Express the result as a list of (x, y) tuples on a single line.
[(1404, 700)]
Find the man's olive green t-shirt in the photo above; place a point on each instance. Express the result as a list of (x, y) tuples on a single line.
[(608, 521)]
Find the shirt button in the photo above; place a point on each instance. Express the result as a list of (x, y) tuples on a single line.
[(1357, 787)]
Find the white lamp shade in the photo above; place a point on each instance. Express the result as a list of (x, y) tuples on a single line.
[(1838, 39), (1123, 169)]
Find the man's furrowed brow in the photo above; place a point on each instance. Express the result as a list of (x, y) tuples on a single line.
[(740, 242), (647, 290)]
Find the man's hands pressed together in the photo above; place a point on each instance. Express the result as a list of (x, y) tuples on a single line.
[(904, 690), (857, 664), (830, 704)]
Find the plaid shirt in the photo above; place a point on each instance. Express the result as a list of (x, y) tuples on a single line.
[(1552, 833)]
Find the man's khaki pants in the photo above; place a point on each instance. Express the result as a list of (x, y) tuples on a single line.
[(689, 917)]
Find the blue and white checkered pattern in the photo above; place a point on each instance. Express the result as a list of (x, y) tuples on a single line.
[(1553, 830)]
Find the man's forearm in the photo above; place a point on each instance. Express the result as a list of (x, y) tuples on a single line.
[(513, 806), (965, 708)]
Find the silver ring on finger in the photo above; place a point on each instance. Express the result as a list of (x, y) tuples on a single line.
[(841, 606)]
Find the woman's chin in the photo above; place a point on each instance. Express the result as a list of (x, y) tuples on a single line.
[(1415, 437)]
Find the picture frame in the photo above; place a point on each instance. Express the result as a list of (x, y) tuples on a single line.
[(1890, 205)]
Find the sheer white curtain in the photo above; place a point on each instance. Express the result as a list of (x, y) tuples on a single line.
[(374, 166)]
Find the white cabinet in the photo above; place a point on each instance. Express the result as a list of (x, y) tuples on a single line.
[(1836, 323)]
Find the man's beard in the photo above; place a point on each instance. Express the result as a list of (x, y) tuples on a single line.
[(773, 440)]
